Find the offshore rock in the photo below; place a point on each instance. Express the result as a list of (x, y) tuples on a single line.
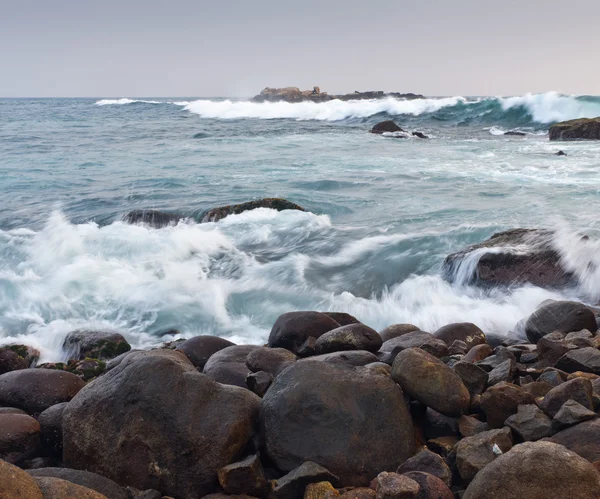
[(279, 204), (294, 94), (386, 127), (579, 129), (154, 218), (95, 344)]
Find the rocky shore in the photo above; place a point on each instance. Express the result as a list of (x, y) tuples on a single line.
[(294, 94), (327, 408)]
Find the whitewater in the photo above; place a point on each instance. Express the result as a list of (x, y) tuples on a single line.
[(382, 212)]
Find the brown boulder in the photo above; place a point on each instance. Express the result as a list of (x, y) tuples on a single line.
[(474, 378), (359, 493), (478, 353), (17, 484), (34, 390), (154, 422), (320, 490), (463, 331), (11, 361), (200, 348), (350, 337), (430, 486), (228, 366), (428, 380), (536, 470), (578, 389), (342, 318), (577, 129), (394, 486), (396, 330), (352, 420), (292, 329), (269, 360), (501, 401), (55, 488), (427, 462), (476, 452), (415, 339), (583, 439), (87, 479), (244, 477), (19, 437), (530, 423)]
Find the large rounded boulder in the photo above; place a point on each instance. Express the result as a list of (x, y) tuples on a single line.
[(295, 330), (353, 421), (536, 470), (19, 437), (228, 366), (154, 422), (83, 344), (462, 331), (34, 390), (200, 348), (562, 316), (350, 337), (17, 484), (431, 382)]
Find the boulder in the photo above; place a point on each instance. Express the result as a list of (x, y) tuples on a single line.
[(430, 486), (51, 429), (458, 347), (505, 371), (530, 423), (436, 425), (469, 426), (154, 218), (552, 376), (86, 479), (352, 420), (228, 366), (244, 477), (578, 389), (536, 470), (578, 129), (154, 422), (34, 390), (259, 382), (359, 493), (396, 330), (478, 353), (428, 380), (292, 485), (584, 439), (270, 360), (570, 414), (552, 347), (11, 410), (55, 488), (350, 337), (95, 344), (583, 359), (320, 490), (537, 388), (386, 127), (200, 348), (561, 153), (515, 133), (415, 339), (292, 329), (19, 437), (476, 452), (513, 257), (421, 135), (501, 401), (561, 316), (395, 486), (352, 358), (11, 361), (17, 484), (463, 331), (342, 318), (216, 214), (427, 462)]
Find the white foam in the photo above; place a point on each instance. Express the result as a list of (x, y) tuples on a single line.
[(552, 106)]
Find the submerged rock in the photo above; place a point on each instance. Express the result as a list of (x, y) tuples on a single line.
[(516, 256), (578, 129), (153, 218), (388, 126), (279, 204)]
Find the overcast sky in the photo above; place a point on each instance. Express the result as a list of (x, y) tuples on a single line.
[(159, 48)]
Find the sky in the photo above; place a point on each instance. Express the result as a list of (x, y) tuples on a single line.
[(193, 48)]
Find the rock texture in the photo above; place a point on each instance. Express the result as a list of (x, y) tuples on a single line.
[(578, 129), (17, 484)]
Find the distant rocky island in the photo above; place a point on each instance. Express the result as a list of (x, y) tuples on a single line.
[(294, 94)]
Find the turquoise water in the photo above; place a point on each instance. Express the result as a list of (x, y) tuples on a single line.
[(383, 212)]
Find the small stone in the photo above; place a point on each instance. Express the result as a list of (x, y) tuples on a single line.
[(244, 477), (501, 401), (320, 490), (570, 414), (458, 347), (578, 389), (530, 423), (396, 330), (474, 378), (428, 462), (431, 486), (478, 352), (259, 382), (553, 376), (469, 426), (503, 372), (293, 485), (359, 493), (394, 486)]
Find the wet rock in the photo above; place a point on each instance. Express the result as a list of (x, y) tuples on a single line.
[(86, 479), (421, 135), (463, 331), (561, 153), (394, 486), (353, 358), (19, 437), (244, 477), (154, 422), (292, 329), (469, 426), (320, 490), (342, 318), (570, 414), (536, 470), (515, 133), (415, 339), (578, 129), (530, 423), (578, 389), (501, 401), (17, 484), (279, 204), (584, 439), (396, 330), (561, 316), (51, 429), (427, 462), (504, 372), (34, 390), (55, 488), (501, 354), (353, 421), (259, 382), (506, 263), (293, 485), (552, 347), (476, 452), (478, 353), (428, 380), (11, 361), (386, 127), (473, 377), (552, 376), (537, 389), (228, 366), (95, 344), (351, 337), (200, 348), (270, 360), (430, 487), (359, 493), (584, 359), (153, 218)]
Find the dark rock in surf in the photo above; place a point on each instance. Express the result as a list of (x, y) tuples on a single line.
[(421, 135), (561, 153), (154, 218), (352, 420), (506, 263), (279, 204), (200, 348), (228, 366), (95, 344), (386, 127), (559, 316), (578, 129), (292, 329), (350, 337), (11, 361), (515, 133)]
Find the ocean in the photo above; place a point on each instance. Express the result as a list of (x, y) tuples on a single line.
[(382, 212)]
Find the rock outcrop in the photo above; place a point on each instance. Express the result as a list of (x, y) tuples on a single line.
[(579, 129), (294, 94), (279, 204)]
